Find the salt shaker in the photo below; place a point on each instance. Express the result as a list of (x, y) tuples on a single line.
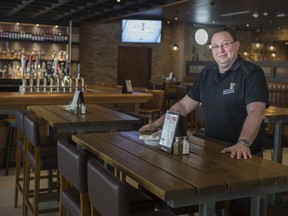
[(177, 146), (185, 145)]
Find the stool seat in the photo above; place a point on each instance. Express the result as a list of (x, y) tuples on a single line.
[(10, 123)]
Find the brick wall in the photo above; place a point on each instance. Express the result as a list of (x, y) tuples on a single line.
[(99, 50)]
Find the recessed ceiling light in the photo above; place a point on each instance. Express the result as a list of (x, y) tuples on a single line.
[(255, 15)]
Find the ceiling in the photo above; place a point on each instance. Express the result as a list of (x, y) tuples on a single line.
[(259, 14)]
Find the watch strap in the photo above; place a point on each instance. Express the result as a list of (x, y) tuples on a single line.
[(244, 142)]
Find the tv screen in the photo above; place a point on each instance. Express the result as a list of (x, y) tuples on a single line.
[(141, 31)]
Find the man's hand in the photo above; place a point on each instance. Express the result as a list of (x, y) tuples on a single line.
[(237, 151), (148, 128)]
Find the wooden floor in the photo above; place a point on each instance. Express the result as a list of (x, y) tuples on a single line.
[(7, 196)]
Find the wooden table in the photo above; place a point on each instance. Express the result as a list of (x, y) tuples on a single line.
[(202, 178), (277, 116), (97, 118)]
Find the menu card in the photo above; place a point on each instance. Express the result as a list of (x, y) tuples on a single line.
[(168, 131)]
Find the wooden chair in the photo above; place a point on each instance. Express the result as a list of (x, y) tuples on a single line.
[(41, 154), (72, 166), (153, 107), (110, 196)]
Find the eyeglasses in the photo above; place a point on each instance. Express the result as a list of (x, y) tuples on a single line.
[(224, 45)]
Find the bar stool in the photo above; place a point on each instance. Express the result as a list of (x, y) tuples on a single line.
[(41, 156), (19, 114), (73, 189), (10, 124), (110, 196)]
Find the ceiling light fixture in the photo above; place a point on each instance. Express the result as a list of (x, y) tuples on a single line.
[(257, 45), (255, 15), (235, 13), (281, 15), (271, 47)]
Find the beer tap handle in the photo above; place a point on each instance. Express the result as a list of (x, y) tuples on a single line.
[(79, 72), (23, 63)]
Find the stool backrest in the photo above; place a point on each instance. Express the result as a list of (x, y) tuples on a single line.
[(72, 164), (31, 130), (157, 102), (107, 194), (19, 114)]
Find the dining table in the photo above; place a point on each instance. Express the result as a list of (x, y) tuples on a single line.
[(277, 116), (201, 178), (96, 119)]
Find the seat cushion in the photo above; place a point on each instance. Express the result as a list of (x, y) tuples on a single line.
[(71, 201)]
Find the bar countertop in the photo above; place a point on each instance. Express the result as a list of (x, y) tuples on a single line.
[(94, 95)]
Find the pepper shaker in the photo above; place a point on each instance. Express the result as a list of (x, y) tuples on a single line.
[(177, 146), (186, 145)]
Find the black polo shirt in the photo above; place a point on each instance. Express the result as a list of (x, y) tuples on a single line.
[(224, 98)]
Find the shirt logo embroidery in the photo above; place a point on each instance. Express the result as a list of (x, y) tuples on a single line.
[(230, 90)]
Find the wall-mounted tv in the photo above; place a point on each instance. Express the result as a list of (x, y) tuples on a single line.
[(141, 31)]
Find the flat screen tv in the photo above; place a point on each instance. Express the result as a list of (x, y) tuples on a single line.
[(141, 31)]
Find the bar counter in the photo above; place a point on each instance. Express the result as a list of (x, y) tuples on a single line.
[(94, 95)]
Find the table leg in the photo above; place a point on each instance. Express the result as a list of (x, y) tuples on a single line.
[(136, 107), (207, 209), (277, 150), (258, 205)]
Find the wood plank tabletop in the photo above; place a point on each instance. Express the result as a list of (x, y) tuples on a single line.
[(146, 172), (205, 169), (96, 118), (203, 177)]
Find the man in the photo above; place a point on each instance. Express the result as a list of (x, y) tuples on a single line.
[(234, 96)]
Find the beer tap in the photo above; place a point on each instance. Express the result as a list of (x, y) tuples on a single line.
[(81, 80), (37, 75), (55, 67), (23, 63), (29, 65), (57, 83), (44, 83), (31, 83), (51, 83)]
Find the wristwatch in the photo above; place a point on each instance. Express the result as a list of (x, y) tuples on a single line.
[(244, 142)]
